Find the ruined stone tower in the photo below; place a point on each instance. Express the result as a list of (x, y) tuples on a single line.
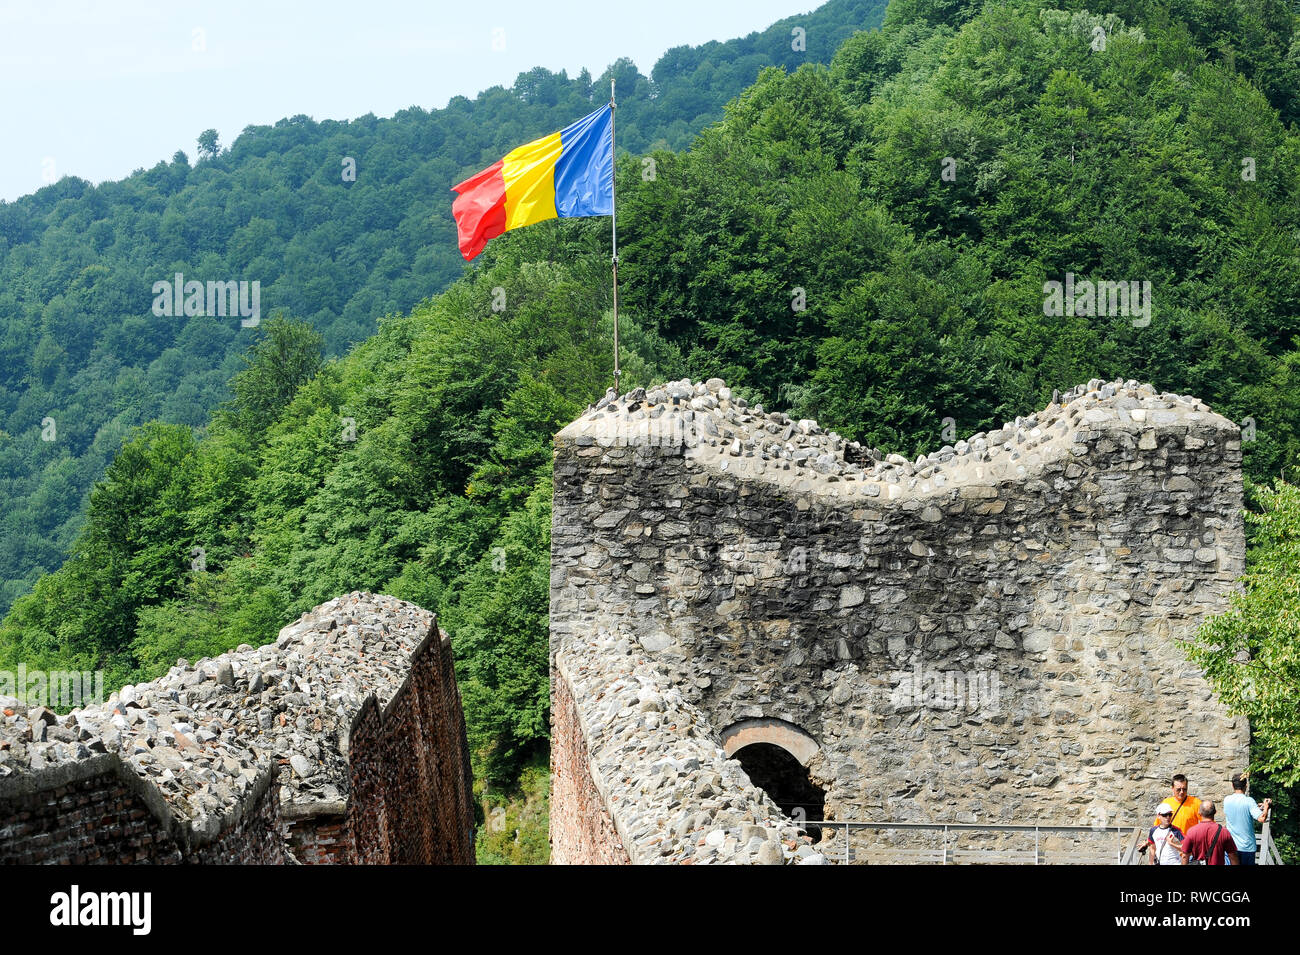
[(985, 635)]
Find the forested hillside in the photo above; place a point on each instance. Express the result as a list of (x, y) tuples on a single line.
[(867, 244), (83, 358)]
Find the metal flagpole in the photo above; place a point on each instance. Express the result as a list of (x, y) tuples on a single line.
[(613, 226)]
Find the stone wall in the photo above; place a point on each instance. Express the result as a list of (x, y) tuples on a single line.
[(987, 634), (628, 746), (343, 741)]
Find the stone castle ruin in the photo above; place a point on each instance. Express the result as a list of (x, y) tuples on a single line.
[(754, 622), (341, 742), (755, 626)]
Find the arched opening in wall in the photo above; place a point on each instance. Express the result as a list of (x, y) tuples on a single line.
[(778, 773), (775, 755)]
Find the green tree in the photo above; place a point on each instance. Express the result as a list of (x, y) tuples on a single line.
[(1251, 654), (286, 355), (208, 143), (77, 262)]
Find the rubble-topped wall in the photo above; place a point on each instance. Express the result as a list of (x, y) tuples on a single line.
[(638, 774), (987, 634), (343, 741)]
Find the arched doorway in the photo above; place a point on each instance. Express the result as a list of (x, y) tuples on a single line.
[(775, 756)]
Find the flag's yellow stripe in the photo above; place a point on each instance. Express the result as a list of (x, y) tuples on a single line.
[(529, 175)]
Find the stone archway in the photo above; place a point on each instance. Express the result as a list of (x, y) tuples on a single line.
[(775, 755), (789, 737)]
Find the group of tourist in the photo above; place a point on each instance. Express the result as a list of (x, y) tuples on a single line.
[(1186, 833)]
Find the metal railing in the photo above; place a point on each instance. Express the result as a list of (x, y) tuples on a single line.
[(1267, 854), (949, 854)]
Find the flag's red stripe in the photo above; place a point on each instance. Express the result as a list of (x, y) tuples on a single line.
[(479, 209)]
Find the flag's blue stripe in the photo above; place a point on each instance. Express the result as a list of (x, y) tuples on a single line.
[(584, 173)]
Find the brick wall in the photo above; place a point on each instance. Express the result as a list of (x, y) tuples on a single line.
[(99, 811), (412, 791), (583, 833), (319, 840)]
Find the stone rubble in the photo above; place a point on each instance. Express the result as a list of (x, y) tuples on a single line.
[(726, 431)]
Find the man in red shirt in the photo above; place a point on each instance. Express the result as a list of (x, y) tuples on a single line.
[(1207, 841)]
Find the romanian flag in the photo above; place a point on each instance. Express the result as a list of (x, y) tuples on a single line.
[(563, 175)]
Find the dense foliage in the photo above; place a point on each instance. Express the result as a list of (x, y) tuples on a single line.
[(811, 250), (336, 245), (1252, 653), (923, 295)]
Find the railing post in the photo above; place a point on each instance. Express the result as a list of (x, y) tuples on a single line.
[(846, 843), (945, 845), (1035, 845), (1267, 848), (1133, 846)]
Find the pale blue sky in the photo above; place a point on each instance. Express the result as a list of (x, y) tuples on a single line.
[(98, 90)]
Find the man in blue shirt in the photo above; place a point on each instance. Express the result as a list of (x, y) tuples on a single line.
[(1241, 813)]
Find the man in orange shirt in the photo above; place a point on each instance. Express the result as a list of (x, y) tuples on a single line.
[(1187, 809)]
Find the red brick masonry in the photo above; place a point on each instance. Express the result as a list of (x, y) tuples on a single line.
[(582, 832), (412, 790)]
